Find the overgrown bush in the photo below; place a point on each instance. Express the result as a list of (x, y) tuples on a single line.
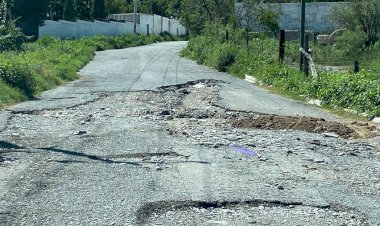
[(225, 59), (167, 36), (11, 37), (17, 75), (360, 15), (351, 42)]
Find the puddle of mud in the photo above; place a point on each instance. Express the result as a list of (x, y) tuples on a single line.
[(307, 124)]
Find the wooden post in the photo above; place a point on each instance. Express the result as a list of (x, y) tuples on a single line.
[(247, 38), (147, 29), (282, 46), (135, 17), (356, 66), (311, 62), (302, 31), (227, 35), (304, 58)]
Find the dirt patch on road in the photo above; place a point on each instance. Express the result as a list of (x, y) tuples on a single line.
[(308, 124)]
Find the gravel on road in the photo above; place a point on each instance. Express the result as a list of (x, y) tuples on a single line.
[(149, 138)]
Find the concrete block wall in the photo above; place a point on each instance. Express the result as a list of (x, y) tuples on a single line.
[(318, 15), (144, 21), (67, 29), (165, 24), (317, 18)]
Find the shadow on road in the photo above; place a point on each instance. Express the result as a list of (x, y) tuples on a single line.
[(81, 154)]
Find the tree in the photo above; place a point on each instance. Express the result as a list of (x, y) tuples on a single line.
[(360, 15), (195, 14), (3, 15), (11, 37), (69, 11), (56, 9), (31, 12), (99, 9), (84, 9), (167, 8), (254, 15), (116, 6)]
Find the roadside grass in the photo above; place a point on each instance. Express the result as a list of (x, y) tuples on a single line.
[(50, 62), (358, 93)]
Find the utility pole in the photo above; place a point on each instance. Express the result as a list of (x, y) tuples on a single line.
[(302, 32), (134, 16), (151, 10)]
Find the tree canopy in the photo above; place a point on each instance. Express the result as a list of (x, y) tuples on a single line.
[(69, 11), (363, 16)]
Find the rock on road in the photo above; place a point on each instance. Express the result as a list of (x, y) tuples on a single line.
[(149, 138)]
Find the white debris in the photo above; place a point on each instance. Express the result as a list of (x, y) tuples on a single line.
[(250, 79), (315, 102), (199, 86), (334, 135), (376, 120)]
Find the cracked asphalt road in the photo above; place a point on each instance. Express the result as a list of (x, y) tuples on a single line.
[(147, 138)]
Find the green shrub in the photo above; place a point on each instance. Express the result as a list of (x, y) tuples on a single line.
[(351, 42), (11, 37), (167, 36), (12, 42), (226, 58), (17, 75)]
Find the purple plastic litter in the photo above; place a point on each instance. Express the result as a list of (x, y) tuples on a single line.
[(242, 150)]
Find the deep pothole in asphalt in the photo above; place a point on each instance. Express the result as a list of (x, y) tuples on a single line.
[(254, 212), (198, 100)]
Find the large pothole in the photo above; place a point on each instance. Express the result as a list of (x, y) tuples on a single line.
[(245, 213), (199, 100), (307, 124)]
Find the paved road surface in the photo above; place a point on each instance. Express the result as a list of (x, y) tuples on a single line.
[(145, 138)]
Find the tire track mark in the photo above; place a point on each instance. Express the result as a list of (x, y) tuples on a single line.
[(167, 68), (176, 70), (151, 61)]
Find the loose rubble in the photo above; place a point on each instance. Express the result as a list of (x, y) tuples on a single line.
[(284, 152)]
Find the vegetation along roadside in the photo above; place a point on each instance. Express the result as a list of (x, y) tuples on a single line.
[(359, 93), (50, 62)]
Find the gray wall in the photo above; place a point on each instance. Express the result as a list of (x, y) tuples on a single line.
[(79, 29), (317, 16)]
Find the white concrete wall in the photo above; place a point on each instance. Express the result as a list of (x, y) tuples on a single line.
[(317, 15), (144, 21), (176, 28), (157, 24), (80, 28), (165, 24)]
